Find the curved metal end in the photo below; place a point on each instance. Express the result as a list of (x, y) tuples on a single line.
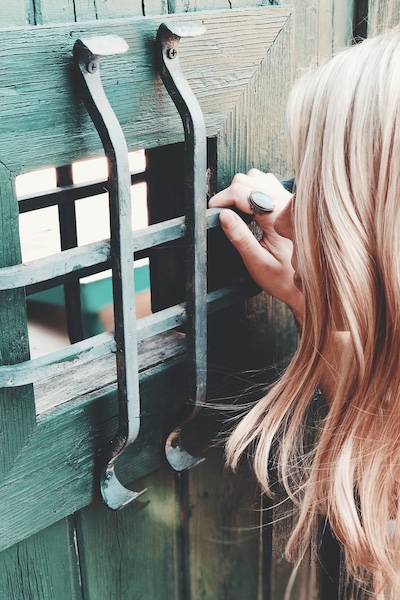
[(103, 45), (114, 494), (181, 30), (177, 456)]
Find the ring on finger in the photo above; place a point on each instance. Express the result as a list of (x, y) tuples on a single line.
[(260, 203)]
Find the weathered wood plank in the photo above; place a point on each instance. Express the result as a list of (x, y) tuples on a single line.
[(178, 6), (19, 12), (48, 11), (101, 373), (254, 134), (322, 27), (17, 412), (342, 23), (132, 553), (223, 520), (43, 567), (382, 14), (117, 8), (96, 254), (155, 7), (85, 9), (32, 103), (56, 473)]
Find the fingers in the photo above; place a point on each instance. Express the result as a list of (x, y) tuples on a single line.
[(238, 192), (238, 233), (235, 195), (252, 253)]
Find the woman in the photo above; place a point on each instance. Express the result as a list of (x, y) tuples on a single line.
[(332, 253)]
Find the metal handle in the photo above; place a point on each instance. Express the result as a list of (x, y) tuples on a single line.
[(87, 54), (168, 38)]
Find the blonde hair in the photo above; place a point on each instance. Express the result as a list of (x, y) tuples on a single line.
[(344, 126)]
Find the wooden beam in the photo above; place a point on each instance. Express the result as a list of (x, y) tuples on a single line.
[(36, 83), (56, 472), (17, 408), (382, 14)]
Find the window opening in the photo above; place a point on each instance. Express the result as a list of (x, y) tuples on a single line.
[(40, 237)]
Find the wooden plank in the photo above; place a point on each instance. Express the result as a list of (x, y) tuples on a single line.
[(17, 407), (56, 473), (35, 83), (69, 360), (48, 11), (43, 567), (178, 6), (382, 14), (117, 8), (84, 10), (322, 27), (224, 535), (132, 553), (155, 7), (19, 12), (342, 23), (256, 132)]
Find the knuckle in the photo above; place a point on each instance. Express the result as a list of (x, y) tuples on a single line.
[(238, 178), (236, 189)]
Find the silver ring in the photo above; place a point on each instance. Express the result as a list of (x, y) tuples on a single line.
[(260, 203)]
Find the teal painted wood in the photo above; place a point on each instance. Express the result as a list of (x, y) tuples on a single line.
[(84, 10), (223, 523), (178, 6), (68, 360), (47, 11), (155, 7), (133, 553), (17, 408), (382, 15), (56, 473), (80, 260), (118, 8), (18, 13), (35, 83), (43, 567)]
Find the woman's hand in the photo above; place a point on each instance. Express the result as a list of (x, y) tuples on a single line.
[(268, 261)]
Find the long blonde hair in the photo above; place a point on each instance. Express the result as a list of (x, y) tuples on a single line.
[(344, 128)]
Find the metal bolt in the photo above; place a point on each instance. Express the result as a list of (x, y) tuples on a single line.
[(172, 52), (91, 66)]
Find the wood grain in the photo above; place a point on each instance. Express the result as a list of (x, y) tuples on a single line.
[(32, 103), (132, 554), (47, 11), (43, 567), (382, 14), (19, 12), (321, 28), (223, 522), (177, 6), (56, 473), (17, 413), (199, 528)]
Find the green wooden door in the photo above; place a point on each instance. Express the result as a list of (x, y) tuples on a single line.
[(196, 535)]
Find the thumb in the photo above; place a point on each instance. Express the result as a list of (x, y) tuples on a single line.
[(241, 237)]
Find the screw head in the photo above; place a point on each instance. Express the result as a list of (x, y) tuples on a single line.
[(91, 66), (172, 52)]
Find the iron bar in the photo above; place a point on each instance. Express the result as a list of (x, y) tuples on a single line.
[(87, 55)]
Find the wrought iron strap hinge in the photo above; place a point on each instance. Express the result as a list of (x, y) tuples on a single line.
[(168, 38), (87, 55)]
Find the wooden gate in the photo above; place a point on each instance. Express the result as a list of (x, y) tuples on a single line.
[(194, 535)]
